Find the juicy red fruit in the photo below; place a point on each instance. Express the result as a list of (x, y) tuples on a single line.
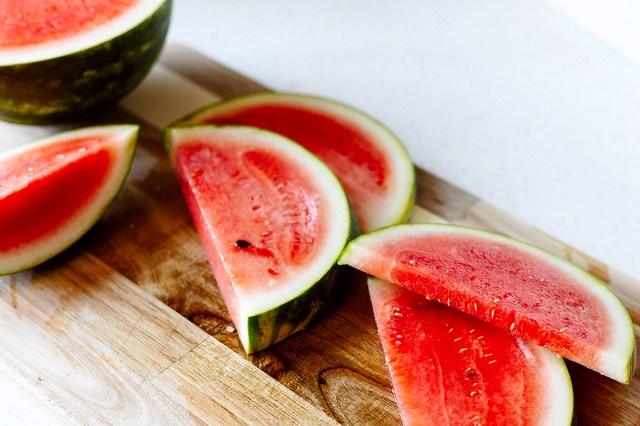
[(341, 146), (30, 22), (30, 186), (448, 367), (262, 185)]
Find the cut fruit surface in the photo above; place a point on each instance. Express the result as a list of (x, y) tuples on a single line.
[(54, 189), (529, 292), (59, 59), (447, 367), (369, 160), (273, 220)]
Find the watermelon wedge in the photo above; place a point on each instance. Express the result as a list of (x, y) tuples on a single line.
[(59, 59), (449, 368), (529, 292), (369, 160), (54, 189), (273, 220)]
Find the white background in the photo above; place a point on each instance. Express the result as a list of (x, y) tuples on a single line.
[(532, 106)]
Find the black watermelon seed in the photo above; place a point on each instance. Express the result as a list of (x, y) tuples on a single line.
[(243, 244)]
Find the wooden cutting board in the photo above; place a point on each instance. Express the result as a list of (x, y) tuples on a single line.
[(128, 326)]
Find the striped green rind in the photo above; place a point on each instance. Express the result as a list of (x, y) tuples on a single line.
[(81, 83), (270, 327)]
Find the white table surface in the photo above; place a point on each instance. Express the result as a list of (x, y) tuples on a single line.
[(533, 106)]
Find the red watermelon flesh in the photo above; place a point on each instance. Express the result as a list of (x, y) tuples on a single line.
[(447, 367), (31, 22), (273, 220), (370, 162), (53, 190), (47, 181), (530, 293)]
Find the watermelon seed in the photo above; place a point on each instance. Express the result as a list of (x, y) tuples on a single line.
[(243, 244), (492, 313), (488, 355), (563, 329), (496, 300), (480, 337), (463, 350), (457, 339), (472, 330), (475, 307), (412, 262), (513, 326), (230, 329), (492, 361), (450, 330), (473, 393)]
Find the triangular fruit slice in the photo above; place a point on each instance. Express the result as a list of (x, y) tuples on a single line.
[(535, 295), (54, 189), (449, 368), (273, 220), (369, 160)]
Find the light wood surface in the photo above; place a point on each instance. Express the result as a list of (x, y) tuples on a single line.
[(128, 326)]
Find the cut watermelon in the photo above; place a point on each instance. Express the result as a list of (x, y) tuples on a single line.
[(369, 160), (273, 220), (54, 189), (449, 368), (59, 59), (529, 292)]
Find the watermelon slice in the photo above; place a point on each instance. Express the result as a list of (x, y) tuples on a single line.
[(531, 293), (59, 59), (54, 189), (447, 367), (273, 220), (369, 160)]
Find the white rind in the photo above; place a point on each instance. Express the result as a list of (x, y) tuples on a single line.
[(362, 250), (57, 48), (257, 302), (122, 147), (401, 181), (558, 393)]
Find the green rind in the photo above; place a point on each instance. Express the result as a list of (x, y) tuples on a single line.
[(81, 83), (631, 363), (403, 214), (130, 153), (275, 325)]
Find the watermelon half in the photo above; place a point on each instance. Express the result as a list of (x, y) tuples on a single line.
[(59, 59), (449, 368), (54, 189), (369, 160), (535, 295), (273, 220)]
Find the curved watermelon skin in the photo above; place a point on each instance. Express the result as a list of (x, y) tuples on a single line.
[(82, 83), (531, 293), (40, 214), (447, 367), (263, 311), (369, 160)]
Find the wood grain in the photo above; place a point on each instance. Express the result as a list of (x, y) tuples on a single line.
[(129, 324)]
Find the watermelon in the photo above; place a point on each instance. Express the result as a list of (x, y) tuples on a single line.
[(54, 189), (533, 294), (62, 59), (369, 160), (447, 367), (273, 220)]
